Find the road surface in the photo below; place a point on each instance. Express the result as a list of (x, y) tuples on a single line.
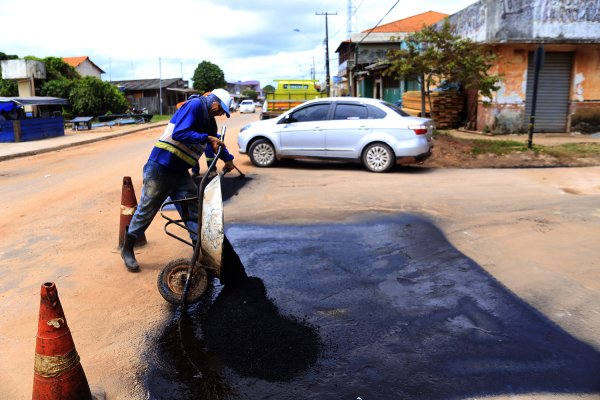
[(534, 230)]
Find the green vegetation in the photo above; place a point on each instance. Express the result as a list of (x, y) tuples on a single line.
[(208, 76), (573, 150), (158, 118), (8, 87), (250, 93), (269, 89), (56, 68), (92, 96), (436, 54), (86, 96), (499, 147)]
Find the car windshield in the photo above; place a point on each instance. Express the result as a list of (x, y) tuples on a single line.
[(396, 109), (247, 102)]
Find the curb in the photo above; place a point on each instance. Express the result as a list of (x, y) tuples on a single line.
[(48, 149)]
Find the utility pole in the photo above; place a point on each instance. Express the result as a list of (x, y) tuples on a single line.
[(539, 62), (349, 22), (327, 78), (160, 86)]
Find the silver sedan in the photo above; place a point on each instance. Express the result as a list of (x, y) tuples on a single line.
[(373, 132)]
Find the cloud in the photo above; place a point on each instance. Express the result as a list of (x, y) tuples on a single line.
[(259, 40)]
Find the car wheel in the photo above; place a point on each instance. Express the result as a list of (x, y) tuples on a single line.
[(378, 157), (262, 153)]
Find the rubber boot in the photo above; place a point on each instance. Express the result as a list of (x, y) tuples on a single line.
[(127, 254)]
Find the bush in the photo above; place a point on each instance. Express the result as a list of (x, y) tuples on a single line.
[(91, 96)]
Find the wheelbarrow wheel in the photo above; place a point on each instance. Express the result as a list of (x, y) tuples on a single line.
[(171, 282)]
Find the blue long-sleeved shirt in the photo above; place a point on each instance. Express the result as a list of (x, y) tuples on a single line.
[(185, 137)]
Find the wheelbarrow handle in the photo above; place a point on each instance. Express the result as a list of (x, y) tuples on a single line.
[(198, 248)]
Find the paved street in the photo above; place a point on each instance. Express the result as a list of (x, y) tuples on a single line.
[(413, 264)]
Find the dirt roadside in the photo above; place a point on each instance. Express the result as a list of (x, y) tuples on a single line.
[(458, 149)]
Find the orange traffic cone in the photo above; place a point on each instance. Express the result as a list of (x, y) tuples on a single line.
[(58, 374), (128, 206)]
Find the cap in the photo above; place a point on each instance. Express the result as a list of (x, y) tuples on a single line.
[(225, 98)]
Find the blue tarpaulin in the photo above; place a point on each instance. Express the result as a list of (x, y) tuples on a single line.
[(7, 106)]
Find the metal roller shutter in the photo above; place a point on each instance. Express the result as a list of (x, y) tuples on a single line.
[(554, 81)]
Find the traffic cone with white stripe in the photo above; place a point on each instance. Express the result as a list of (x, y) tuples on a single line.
[(58, 374), (128, 206)]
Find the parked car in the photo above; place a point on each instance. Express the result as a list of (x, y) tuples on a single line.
[(372, 132), (247, 106)]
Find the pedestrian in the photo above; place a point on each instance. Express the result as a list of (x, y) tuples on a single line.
[(167, 171)]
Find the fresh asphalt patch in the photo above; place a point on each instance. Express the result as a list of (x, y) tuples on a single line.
[(380, 308)]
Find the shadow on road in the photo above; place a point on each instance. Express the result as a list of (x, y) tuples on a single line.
[(300, 164)]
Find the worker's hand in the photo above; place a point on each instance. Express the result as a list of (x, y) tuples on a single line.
[(228, 166), (215, 143)]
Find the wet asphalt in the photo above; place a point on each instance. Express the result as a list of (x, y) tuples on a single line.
[(382, 307)]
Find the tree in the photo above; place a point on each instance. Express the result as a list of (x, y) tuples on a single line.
[(269, 89), (57, 68), (57, 88), (92, 96), (208, 76), (433, 55), (8, 88), (250, 93)]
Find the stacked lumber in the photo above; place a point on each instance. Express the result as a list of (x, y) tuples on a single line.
[(411, 103), (447, 106)]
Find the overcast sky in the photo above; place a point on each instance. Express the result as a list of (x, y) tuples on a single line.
[(249, 40)]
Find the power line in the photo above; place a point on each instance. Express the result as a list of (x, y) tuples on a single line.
[(353, 15), (373, 28)]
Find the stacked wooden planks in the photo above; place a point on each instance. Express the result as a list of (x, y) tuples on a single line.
[(447, 106), (411, 103)]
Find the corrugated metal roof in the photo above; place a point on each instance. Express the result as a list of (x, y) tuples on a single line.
[(151, 84), (411, 24)]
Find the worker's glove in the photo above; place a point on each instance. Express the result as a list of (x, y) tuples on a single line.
[(228, 166), (215, 143)]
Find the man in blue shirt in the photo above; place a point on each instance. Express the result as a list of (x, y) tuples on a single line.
[(166, 174)]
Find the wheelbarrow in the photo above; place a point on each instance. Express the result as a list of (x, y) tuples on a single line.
[(184, 281)]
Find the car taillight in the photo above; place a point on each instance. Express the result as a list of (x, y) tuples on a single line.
[(419, 130)]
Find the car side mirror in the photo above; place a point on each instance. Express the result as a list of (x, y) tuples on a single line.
[(287, 119)]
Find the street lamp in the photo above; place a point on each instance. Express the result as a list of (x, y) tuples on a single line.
[(312, 68)]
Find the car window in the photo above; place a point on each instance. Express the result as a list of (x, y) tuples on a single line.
[(313, 112), (395, 109), (375, 112), (350, 111), (247, 102)]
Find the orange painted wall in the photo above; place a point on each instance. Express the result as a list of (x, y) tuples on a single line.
[(508, 104), (586, 74), (511, 65)]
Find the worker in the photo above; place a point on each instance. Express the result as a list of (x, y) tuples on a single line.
[(166, 173), (208, 152)]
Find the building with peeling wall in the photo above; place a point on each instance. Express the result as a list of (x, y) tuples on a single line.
[(568, 97)]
